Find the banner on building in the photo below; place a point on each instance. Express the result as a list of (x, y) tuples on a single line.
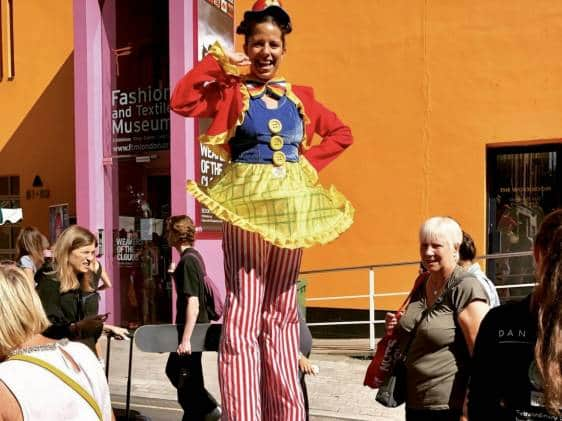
[(58, 220), (127, 242), (215, 24)]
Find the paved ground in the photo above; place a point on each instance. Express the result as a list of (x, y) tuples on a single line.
[(336, 393)]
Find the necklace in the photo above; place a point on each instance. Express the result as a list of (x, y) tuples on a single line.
[(432, 288), (38, 348)]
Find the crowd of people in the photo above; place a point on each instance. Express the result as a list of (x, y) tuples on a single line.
[(50, 365), (465, 361), (259, 124), (465, 355)]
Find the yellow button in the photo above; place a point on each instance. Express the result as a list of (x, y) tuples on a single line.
[(279, 158), (275, 126), (276, 143)]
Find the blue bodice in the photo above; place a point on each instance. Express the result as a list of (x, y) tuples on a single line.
[(252, 142)]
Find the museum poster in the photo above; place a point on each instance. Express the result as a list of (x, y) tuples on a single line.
[(216, 22)]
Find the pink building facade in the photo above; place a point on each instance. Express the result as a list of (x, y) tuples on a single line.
[(133, 156)]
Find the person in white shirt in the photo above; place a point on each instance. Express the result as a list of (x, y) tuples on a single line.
[(42, 378), (32, 247), (467, 254)]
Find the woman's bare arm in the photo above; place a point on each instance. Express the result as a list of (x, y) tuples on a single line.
[(105, 281), (9, 407), (469, 320)]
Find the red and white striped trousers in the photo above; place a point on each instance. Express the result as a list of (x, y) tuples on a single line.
[(258, 356)]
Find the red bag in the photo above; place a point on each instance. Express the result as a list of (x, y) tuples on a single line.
[(388, 350)]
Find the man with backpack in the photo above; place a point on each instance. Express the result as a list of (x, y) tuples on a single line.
[(195, 304)]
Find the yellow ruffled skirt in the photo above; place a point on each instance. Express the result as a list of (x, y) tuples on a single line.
[(285, 205)]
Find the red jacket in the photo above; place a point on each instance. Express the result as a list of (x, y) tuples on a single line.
[(214, 89)]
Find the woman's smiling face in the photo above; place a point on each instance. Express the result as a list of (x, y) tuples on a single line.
[(437, 254), (265, 49)]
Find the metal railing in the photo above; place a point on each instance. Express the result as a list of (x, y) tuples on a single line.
[(372, 294)]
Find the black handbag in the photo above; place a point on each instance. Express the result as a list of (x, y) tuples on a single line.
[(392, 392)]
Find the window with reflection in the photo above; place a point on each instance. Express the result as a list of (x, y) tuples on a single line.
[(523, 186), (9, 199)]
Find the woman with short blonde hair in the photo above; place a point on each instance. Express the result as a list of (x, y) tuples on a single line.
[(33, 366), (21, 311), (442, 227), (439, 326)]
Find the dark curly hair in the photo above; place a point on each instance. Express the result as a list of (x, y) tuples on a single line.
[(251, 19), (180, 230)]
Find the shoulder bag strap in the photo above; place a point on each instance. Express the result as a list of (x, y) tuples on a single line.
[(204, 272), (418, 283), (200, 262), (66, 379)]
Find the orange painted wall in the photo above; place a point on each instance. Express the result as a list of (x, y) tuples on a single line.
[(36, 107), (426, 86)]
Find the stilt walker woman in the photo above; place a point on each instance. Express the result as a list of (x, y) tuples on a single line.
[(271, 203)]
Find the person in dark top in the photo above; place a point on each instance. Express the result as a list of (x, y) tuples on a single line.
[(91, 283), (90, 296), (58, 287), (184, 367), (89, 291), (517, 364)]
